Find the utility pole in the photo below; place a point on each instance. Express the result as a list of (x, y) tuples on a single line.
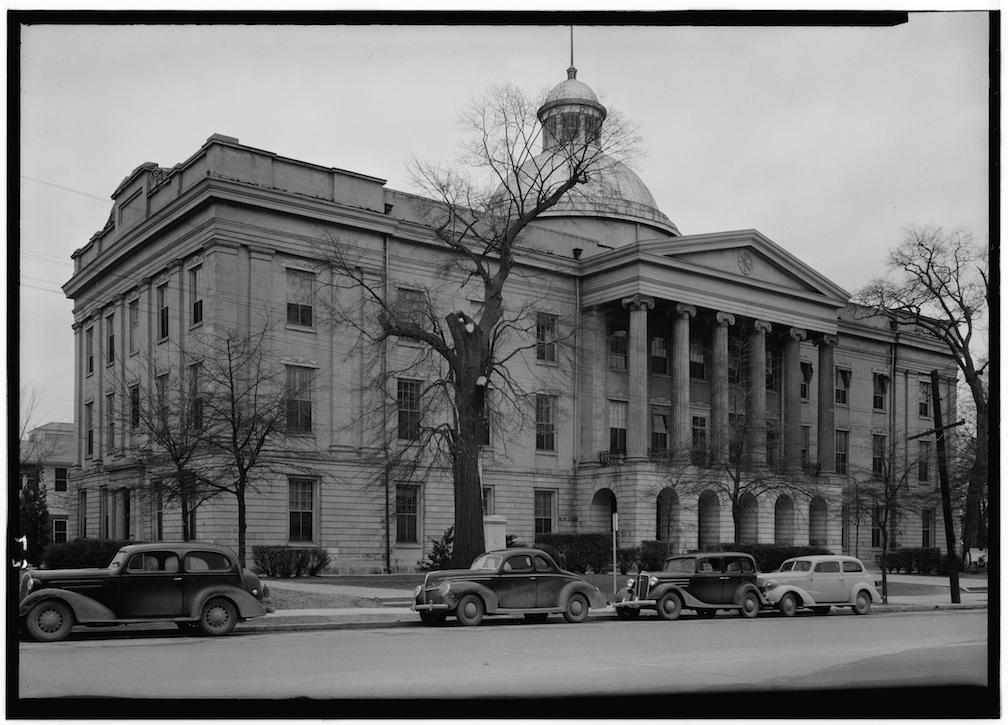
[(939, 431)]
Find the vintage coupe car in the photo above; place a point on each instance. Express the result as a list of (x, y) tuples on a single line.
[(199, 586), (703, 582), (507, 581), (819, 582)]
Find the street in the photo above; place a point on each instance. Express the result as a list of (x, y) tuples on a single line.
[(514, 659)]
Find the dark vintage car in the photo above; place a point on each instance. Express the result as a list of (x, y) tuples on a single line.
[(199, 586), (703, 582), (507, 581)]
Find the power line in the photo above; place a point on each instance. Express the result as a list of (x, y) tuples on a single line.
[(67, 188)]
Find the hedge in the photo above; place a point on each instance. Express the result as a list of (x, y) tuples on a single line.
[(922, 560), (289, 561), (578, 552), (82, 554), (769, 556)]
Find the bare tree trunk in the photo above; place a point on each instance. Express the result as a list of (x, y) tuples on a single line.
[(469, 539), (972, 533), (240, 495)]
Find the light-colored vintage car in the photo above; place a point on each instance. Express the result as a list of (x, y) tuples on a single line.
[(818, 583)]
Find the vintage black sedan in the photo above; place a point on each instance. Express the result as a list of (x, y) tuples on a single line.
[(703, 582), (201, 587), (508, 582)]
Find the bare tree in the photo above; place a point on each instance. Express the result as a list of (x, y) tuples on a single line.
[(940, 285), (479, 220)]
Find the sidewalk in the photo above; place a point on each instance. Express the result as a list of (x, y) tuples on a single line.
[(394, 611)]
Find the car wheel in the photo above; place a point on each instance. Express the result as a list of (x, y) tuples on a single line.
[(669, 606), (823, 611), (218, 617), (862, 603), (750, 605), (432, 619), (627, 612), (706, 613), (50, 621), (470, 610), (577, 609), (536, 616), (788, 605)]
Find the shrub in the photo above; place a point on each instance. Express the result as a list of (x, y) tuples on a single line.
[(288, 561), (652, 555), (769, 556), (82, 553), (441, 552), (627, 557), (922, 560), (578, 552)]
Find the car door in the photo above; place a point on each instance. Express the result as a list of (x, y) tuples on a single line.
[(202, 569), (548, 583), (825, 583), (150, 585), (737, 570), (515, 583), (706, 584)]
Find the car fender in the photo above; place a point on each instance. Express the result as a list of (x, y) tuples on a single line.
[(745, 589), (778, 592), (85, 608), (862, 587), (248, 606), (688, 600), (460, 588), (596, 600)]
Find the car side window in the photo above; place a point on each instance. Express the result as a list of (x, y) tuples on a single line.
[(206, 561), (747, 566), (852, 566), (710, 565), (733, 565), (153, 561), (523, 562), (542, 565), (827, 567)]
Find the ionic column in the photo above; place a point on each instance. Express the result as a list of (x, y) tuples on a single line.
[(637, 375), (792, 397), (757, 392), (826, 427), (719, 387), (682, 432)]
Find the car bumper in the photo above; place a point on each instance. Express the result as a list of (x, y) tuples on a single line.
[(429, 607)]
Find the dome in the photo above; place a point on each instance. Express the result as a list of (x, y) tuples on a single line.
[(571, 92)]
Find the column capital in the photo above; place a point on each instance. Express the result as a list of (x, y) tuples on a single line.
[(828, 340), (683, 310), (797, 333), (638, 301), (762, 326), (724, 318)]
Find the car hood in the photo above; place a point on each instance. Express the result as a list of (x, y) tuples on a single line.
[(783, 576), (53, 575), (443, 574)]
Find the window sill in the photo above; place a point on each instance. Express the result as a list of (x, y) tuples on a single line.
[(196, 325), (548, 363), (300, 328), (300, 434), (162, 339), (545, 453)]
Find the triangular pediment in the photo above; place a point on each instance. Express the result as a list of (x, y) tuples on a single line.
[(746, 256)]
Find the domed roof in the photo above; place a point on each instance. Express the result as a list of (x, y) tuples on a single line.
[(571, 90)]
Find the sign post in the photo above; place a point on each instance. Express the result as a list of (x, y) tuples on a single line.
[(615, 528)]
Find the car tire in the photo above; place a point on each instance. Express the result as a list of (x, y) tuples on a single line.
[(862, 603), (433, 619), (788, 605), (50, 621), (706, 613), (218, 617), (750, 605), (577, 609), (822, 611), (627, 612), (470, 610), (536, 617), (669, 606)]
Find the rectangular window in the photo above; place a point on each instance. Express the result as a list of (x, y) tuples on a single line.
[(89, 429), (134, 394), (697, 360), (110, 339), (843, 382), (162, 307), (60, 479), (880, 388), (773, 366), (196, 397), (659, 354), (546, 418), (300, 297), (806, 436), (134, 326), (617, 341), (157, 505), (196, 295), (927, 528), (301, 509), (878, 456), (161, 399), (842, 441), (89, 350), (411, 308), (546, 332), (484, 421), (103, 512), (488, 500), (109, 423), (617, 426), (923, 460), (299, 399), (924, 399), (407, 514), (543, 512), (698, 454), (773, 441), (659, 429), (408, 404), (806, 379), (876, 526), (81, 514), (59, 531)]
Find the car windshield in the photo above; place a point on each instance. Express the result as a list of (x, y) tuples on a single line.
[(802, 565), (687, 564), (487, 561), (787, 565)]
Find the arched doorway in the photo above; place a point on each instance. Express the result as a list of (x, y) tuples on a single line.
[(603, 506), (708, 520), (748, 532), (667, 518), (784, 521), (817, 522)]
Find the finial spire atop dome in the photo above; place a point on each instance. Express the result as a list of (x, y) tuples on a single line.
[(572, 71)]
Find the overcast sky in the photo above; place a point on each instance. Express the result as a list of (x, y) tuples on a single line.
[(827, 140)]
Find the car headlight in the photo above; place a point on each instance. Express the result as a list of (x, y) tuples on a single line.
[(445, 586), (630, 583), (652, 581), (419, 588), (769, 584)]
